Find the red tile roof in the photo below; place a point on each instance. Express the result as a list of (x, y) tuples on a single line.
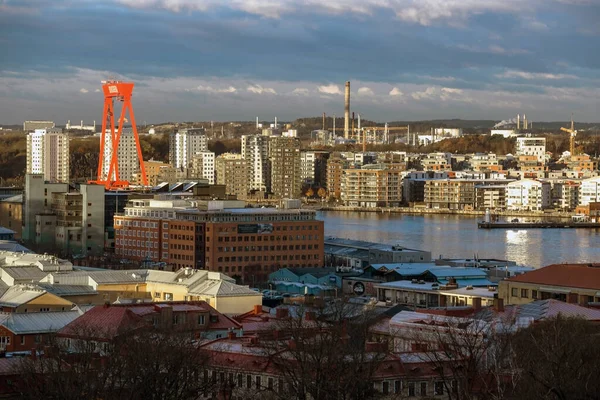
[(583, 276), (104, 323)]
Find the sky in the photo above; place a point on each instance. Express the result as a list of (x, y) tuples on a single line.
[(202, 60)]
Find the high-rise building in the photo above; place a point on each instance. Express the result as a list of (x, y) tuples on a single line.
[(286, 179), (255, 150), (184, 144), (532, 146), (129, 162), (232, 171), (48, 154), (203, 166), (37, 200), (372, 185)]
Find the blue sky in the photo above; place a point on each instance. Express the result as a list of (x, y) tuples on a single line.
[(234, 60)]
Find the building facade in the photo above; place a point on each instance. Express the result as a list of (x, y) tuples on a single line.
[(203, 166), (589, 191), (232, 171), (184, 143), (48, 154), (532, 146), (371, 186), (528, 195), (129, 162), (454, 194), (286, 173), (255, 150)]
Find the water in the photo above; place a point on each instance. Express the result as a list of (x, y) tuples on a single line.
[(453, 236)]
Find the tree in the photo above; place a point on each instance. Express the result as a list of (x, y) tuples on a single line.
[(322, 193), (310, 193)]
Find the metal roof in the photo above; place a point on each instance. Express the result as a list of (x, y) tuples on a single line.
[(28, 323), (24, 273)]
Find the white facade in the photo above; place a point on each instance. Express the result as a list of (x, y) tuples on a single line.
[(504, 132), (129, 163), (203, 165), (528, 195), (307, 167), (448, 132), (532, 146), (184, 144), (255, 150), (48, 154), (589, 191)]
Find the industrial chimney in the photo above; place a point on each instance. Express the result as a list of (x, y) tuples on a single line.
[(347, 111), (518, 121), (525, 126), (323, 121)]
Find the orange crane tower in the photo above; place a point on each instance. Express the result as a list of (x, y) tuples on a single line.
[(573, 133), (120, 91)]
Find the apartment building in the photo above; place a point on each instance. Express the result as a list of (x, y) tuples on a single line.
[(371, 186), (129, 162), (528, 195), (582, 162), (490, 197), (437, 162), (335, 168), (154, 170), (532, 146), (48, 154), (203, 166), (37, 200), (589, 191), (454, 194), (286, 178), (184, 144), (484, 162), (243, 242), (307, 167), (565, 194), (232, 171), (255, 150), (11, 214)]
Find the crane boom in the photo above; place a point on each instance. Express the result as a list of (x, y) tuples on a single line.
[(573, 133)]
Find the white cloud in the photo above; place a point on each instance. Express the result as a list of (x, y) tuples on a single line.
[(396, 92), (83, 90), (210, 89), (258, 89), (330, 89), (365, 91), (97, 91), (452, 90), (426, 94), (300, 91), (511, 73)]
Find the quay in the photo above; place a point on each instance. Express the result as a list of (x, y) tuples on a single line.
[(538, 225)]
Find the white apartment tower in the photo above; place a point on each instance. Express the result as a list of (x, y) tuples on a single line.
[(48, 154), (129, 163), (203, 166), (184, 144), (255, 150), (532, 146), (307, 167)]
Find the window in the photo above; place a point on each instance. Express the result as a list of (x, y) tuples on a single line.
[(201, 320), (157, 295), (385, 387), (258, 379), (411, 389), (534, 294), (249, 381), (423, 391), (524, 293), (22, 340), (439, 388), (514, 292), (397, 387)]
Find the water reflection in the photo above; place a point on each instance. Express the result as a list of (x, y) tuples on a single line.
[(458, 237)]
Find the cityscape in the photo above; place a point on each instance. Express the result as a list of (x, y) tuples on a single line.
[(275, 228)]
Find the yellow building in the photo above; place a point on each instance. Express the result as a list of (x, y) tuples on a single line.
[(11, 210), (29, 298)]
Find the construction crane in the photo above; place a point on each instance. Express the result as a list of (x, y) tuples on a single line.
[(120, 91), (573, 133)]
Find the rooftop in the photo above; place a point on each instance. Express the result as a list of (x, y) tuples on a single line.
[(364, 245), (28, 323), (583, 276)]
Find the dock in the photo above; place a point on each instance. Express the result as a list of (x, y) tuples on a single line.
[(538, 225)]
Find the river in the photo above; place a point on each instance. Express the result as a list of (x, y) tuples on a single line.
[(453, 236)]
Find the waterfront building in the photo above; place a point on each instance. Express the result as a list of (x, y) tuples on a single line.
[(570, 283), (11, 214), (129, 162), (565, 195), (285, 158), (454, 194), (203, 166), (255, 150), (528, 195), (335, 167), (532, 146), (371, 186), (232, 171), (244, 242), (589, 191), (308, 167), (308, 280), (360, 254), (490, 197), (48, 154), (184, 143)]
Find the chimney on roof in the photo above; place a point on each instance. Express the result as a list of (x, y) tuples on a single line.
[(257, 309)]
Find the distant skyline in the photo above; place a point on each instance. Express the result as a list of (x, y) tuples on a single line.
[(202, 60)]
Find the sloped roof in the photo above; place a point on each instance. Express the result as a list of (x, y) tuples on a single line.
[(104, 323), (584, 276), (68, 290), (223, 288), (29, 323), (18, 295), (542, 309), (12, 246), (25, 273), (317, 272)]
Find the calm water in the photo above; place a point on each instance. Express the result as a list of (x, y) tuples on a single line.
[(454, 236)]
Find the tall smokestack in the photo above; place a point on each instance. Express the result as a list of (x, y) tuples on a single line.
[(525, 126), (334, 126), (323, 121), (256, 122), (347, 111), (518, 121)]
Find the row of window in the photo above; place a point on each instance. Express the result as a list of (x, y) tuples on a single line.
[(269, 258), (267, 238), (268, 248)]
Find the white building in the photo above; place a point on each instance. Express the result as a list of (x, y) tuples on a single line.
[(483, 161), (81, 127), (589, 191), (532, 146), (203, 166), (307, 167), (184, 144), (448, 132), (505, 132), (255, 150), (129, 162), (48, 154), (528, 195)]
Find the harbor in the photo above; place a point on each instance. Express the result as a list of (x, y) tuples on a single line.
[(538, 225)]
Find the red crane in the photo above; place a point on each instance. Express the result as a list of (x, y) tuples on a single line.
[(120, 91)]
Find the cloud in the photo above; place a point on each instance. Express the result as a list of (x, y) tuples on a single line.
[(210, 89), (300, 91), (426, 94), (534, 75), (396, 92), (83, 90), (329, 89), (97, 91), (365, 91), (258, 89), (452, 90)]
